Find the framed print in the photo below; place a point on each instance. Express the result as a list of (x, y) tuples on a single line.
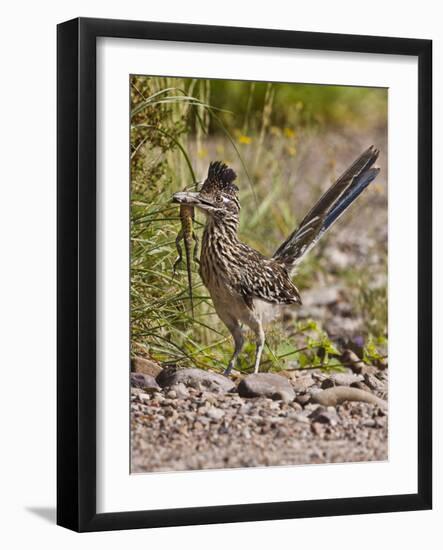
[(244, 274)]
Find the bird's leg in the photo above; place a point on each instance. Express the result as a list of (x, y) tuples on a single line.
[(237, 334), (260, 344), (178, 261)]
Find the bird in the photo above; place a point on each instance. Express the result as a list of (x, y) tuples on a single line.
[(245, 285)]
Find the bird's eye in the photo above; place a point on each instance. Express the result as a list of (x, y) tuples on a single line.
[(219, 199)]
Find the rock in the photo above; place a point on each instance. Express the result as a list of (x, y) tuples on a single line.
[(369, 423), (324, 416), (302, 383), (341, 379), (266, 385), (303, 399), (300, 417), (181, 391), (145, 366), (352, 360), (215, 414), (382, 363), (340, 394), (195, 378), (144, 381), (374, 383), (368, 369)]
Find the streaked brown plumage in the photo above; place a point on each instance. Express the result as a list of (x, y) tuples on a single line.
[(239, 279)]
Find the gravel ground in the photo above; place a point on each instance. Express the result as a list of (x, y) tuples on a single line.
[(187, 428)]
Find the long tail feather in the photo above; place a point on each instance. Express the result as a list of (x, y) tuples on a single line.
[(328, 209)]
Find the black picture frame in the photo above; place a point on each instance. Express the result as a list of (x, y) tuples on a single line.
[(76, 265)]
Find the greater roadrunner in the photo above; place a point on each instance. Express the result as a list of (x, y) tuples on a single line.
[(239, 279)]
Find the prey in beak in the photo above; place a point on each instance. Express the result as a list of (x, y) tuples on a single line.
[(193, 199)]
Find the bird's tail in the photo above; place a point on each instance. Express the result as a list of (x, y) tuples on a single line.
[(328, 209)]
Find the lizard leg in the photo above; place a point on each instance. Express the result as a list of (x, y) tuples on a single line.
[(178, 261), (196, 248)]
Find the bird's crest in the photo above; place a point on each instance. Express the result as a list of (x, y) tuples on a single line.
[(220, 178)]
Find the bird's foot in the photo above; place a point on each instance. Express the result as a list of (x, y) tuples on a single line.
[(228, 371)]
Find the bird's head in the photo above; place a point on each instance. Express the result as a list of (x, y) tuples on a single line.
[(218, 197)]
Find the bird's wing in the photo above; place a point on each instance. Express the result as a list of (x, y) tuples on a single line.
[(268, 281)]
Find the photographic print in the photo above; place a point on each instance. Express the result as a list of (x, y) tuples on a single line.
[(258, 290)]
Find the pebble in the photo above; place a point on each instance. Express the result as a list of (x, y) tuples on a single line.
[(341, 379), (303, 399), (266, 385), (195, 378), (144, 381), (325, 416), (215, 414), (374, 383), (145, 366), (302, 383)]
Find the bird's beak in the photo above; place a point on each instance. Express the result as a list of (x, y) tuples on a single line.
[(191, 198), (186, 197)]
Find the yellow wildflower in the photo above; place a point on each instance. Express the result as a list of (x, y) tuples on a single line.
[(244, 139)]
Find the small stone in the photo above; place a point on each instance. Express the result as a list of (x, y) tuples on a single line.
[(303, 399), (266, 385), (300, 418), (145, 366), (172, 414), (341, 379), (374, 383), (158, 397), (302, 383), (144, 381), (317, 428), (369, 423), (195, 378), (352, 360), (181, 391), (368, 369), (215, 414), (328, 383), (382, 363), (324, 416)]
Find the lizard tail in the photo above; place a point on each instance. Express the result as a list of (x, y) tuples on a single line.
[(188, 245)]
